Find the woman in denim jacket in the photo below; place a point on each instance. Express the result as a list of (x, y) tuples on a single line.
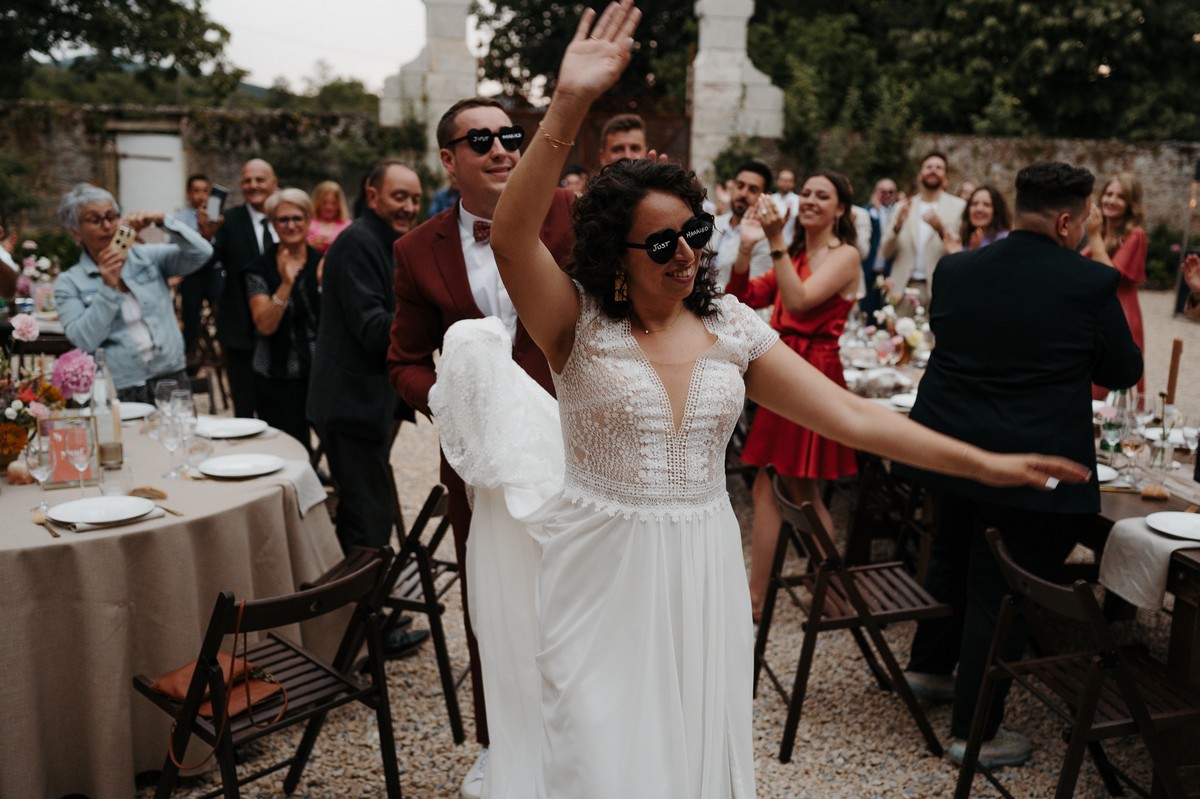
[(118, 299)]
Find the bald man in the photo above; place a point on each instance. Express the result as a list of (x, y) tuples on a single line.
[(244, 234)]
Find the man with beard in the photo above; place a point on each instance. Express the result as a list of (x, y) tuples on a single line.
[(446, 271), (914, 239), (245, 234), (350, 401), (752, 179)]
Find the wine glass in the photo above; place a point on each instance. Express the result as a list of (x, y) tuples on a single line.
[(170, 435), (162, 394), (1133, 441), (41, 460), (79, 445), (1111, 431), (1191, 433)]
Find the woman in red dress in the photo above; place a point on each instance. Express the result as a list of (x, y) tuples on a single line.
[(812, 289), (1116, 238)]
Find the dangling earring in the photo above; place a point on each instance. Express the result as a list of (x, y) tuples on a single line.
[(620, 294)]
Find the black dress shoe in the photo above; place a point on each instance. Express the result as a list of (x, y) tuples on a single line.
[(401, 642)]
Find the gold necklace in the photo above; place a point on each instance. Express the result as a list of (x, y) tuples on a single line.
[(648, 331)]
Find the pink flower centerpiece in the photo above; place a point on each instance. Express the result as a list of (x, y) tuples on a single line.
[(74, 373), (25, 327)]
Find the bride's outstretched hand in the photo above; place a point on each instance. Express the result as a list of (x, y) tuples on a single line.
[(1043, 472), (598, 53)]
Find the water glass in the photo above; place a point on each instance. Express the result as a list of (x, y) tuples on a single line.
[(1191, 433), (162, 394), (40, 459), (116, 480), (170, 435)]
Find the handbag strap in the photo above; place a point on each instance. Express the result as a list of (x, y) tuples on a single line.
[(237, 628)]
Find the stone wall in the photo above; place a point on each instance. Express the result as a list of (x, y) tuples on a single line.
[(71, 143), (1164, 168)]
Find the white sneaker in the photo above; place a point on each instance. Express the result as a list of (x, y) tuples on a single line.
[(472, 784)]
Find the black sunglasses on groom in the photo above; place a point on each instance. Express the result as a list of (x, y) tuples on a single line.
[(662, 245), (480, 139)]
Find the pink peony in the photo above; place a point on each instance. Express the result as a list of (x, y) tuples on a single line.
[(25, 327), (29, 244), (24, 285), (74, 372), (38, 411)]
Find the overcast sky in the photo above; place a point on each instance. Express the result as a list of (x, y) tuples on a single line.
[(364, 39)]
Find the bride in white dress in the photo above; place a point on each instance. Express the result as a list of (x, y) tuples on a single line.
[(613, 614)]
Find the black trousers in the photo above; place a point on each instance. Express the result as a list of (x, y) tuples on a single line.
[(366, 490), (963, 572), (239, 366), (193, 291), (281, 404)]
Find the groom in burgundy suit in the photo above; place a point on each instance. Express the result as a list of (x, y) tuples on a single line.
[(445, 271)]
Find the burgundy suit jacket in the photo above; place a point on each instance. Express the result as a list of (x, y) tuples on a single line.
[(433, 292)]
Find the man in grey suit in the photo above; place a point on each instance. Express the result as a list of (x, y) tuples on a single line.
[(914, 239)]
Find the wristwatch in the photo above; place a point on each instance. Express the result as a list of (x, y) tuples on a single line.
[(776, 254)]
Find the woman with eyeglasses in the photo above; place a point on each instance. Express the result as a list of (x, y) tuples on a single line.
[(116, 297), (812, 289), (285, 304), (608, 591)]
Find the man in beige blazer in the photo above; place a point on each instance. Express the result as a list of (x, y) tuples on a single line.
[(914, 239)]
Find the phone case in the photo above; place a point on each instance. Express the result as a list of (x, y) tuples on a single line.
[(123, 238)]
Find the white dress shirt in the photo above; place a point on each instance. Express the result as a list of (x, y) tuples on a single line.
[(486, 286), (256, 219)]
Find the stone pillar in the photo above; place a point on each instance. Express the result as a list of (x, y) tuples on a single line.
[(441, 74), (727, 94)]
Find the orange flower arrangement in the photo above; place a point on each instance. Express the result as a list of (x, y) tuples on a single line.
[(13, 438)]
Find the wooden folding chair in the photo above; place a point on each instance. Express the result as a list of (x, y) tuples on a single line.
[(311, 687), (416, 583), (859, 599), (1104, 691)]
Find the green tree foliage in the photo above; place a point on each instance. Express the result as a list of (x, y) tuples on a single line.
[(528, 38), (168, 35), (16, 186)]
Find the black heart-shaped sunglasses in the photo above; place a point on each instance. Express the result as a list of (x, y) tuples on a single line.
[(480, 139), (662, 245)]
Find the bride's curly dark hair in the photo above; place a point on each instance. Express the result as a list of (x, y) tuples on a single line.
[(604, 215)]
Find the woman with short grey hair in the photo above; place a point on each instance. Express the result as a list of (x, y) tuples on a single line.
[(117, 297)]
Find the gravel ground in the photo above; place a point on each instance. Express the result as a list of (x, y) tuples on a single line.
[(854, 740)]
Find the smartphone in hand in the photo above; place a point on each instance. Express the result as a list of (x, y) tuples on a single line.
[(216, 202), (123, 239)]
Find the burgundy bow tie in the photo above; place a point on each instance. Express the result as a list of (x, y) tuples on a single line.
[(482, 231)]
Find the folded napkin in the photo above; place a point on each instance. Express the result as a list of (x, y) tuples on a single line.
[(1136, 560), (83, 527), (304, 482)]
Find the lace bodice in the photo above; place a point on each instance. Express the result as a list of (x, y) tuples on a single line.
[(622, 451)]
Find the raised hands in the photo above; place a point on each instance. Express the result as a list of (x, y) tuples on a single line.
[(1191, 271), (598, 53)]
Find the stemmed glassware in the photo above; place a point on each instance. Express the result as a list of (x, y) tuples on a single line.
[(163, 394), (1191, 433), (170, 435), (1133, 441), (79, 445), (40, 459)]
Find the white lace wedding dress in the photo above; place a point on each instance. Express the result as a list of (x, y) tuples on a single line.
[(608, 590)]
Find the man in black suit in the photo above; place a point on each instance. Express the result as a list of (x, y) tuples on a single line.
[(244, 234), (350, 401), (1023, 328)]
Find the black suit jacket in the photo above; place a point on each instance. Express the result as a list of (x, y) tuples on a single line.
[(349, 391), (235, 245), (1023, 327)]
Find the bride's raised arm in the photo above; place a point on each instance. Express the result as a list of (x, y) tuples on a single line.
[(542, 294)]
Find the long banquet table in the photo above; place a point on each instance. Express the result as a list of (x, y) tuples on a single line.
[(81, 614)]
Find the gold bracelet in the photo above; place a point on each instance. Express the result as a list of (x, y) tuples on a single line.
[(557, 143)]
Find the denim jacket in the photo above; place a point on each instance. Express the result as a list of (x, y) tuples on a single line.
[(90, 311)]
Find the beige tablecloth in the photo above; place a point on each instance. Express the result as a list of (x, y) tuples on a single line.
[(1136, 561), (81, 614)]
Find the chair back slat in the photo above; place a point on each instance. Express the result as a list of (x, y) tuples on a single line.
[(804, 520), (1057, 599), (283, 611), (434, 506)]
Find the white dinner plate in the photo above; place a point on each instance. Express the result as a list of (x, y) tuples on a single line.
[(904, 400), (221, 427), (100, 510), (1105, 473), (135, 410), (1175, 523), (1155, 433), (248, 465)]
